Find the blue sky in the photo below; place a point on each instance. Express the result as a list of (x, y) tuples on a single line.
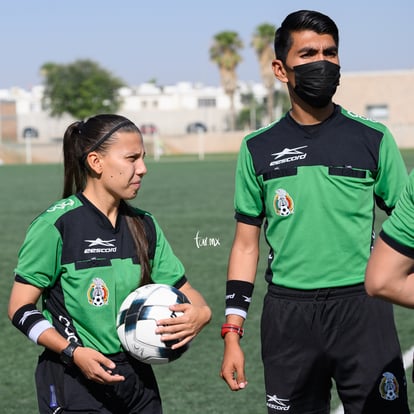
[(169, 40)]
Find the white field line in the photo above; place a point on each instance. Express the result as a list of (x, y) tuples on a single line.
[(408, 362)]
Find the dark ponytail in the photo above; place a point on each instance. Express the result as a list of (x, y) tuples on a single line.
[(75, 173)]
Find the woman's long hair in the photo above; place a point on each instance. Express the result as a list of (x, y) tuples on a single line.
[(140, 237)]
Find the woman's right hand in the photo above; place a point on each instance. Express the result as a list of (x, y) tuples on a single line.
[(95, 366)]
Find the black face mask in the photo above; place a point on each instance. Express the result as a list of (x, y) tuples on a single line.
[(316, 82)]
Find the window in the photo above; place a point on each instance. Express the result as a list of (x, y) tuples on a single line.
[(377, 112), (207, 102)]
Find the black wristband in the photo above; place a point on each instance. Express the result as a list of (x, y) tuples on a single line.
[(29, 320), (238, 297)]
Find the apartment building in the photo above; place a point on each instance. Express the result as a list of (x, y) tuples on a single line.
[(385, 96)]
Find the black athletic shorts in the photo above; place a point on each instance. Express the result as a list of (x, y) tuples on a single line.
[(64, 389), (310, 338)]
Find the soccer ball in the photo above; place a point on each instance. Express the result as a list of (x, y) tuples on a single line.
[(136, 323)]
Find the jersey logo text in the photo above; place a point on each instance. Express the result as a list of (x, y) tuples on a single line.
[(108, 246), (61, 206), (276, 403), (288, 155)]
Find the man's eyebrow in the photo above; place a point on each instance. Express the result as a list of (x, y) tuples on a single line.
[(331, 49), (308, 49)]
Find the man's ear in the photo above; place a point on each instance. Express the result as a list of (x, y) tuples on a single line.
[(94, 161), (279, 70)]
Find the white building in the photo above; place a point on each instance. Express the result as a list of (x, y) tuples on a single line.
[(170, 108), (387, 96)]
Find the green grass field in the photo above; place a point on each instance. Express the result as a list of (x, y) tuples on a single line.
[(188, 197)]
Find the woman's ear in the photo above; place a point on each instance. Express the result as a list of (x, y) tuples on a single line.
[(279, 70), (94, 161)]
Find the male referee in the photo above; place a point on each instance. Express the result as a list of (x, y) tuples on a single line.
[(312, 179)]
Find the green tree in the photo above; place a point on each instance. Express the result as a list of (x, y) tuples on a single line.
[(262, 42), (81, 89), (225, 53)]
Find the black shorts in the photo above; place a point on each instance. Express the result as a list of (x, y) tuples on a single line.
[(64, 389), (310, 338)]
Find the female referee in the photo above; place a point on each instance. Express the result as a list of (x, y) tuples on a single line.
[(83, 256)]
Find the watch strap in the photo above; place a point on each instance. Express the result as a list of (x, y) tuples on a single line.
[(67, 354)]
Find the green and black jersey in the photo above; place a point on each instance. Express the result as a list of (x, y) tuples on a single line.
[(398, 229), (315, 189), (87, 267)]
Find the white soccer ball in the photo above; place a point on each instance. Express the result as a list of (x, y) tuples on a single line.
[(136, 323)]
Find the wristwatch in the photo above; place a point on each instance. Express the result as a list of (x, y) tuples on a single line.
[(66, 355)]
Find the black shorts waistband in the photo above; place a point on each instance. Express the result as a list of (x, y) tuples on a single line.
[(316, 294)]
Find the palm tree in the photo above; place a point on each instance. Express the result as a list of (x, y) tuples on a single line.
[(224, 52), (262, 42)]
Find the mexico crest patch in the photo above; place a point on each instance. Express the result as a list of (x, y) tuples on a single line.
[(283, 203), (389, 387), (98, 293)]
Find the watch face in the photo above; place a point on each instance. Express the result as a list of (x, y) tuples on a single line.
[(67, 354)]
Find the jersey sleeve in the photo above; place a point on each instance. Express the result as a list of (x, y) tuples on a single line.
[(39, 256), (166, 267), (397, 230), (392, 174), (248, 197)]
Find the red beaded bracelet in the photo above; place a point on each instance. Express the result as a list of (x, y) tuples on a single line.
[(228, 327)]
